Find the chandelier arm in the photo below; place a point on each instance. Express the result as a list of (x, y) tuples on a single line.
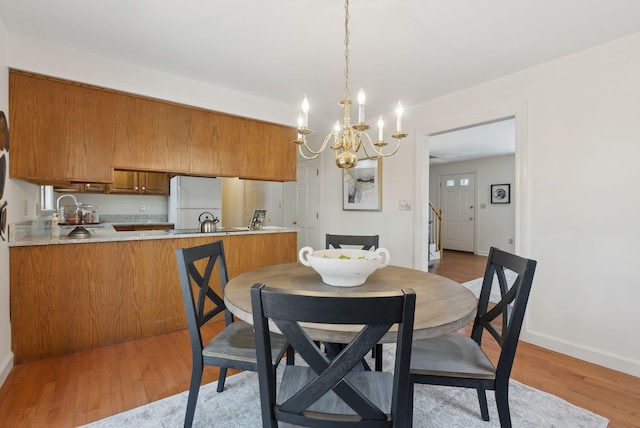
[(322, 147), (306, 156), (385, 155), (378, 152)]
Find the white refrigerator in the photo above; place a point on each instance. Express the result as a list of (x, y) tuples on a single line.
[(189, 197)]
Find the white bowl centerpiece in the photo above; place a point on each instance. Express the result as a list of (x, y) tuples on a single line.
[(342, 267)]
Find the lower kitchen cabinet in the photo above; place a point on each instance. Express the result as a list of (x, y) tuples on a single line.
[(67, 298)]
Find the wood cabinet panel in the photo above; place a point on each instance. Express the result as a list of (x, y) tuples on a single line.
[(65, 131), (80, 187), (272, 154), (124, 182), (139, 183), (68, 298), (214, 147), (133, 118), (59, 131), (154, 183)]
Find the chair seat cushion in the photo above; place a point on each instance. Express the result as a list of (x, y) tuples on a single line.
[(237, 342), (451, 355), (376, 386)]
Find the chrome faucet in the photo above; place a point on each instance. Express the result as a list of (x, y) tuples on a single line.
[(63, 196)]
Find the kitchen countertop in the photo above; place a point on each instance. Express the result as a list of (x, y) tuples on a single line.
[(21, 235)]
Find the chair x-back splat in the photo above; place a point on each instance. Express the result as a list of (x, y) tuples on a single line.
[(456, 360), (330, 393), (367, 242), (234, 346)]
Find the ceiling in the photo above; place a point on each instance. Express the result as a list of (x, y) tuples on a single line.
[(481, 141), (408, 50)]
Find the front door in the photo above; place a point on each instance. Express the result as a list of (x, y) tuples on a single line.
[(457, 199)]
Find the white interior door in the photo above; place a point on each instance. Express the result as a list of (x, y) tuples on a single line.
[(308, 196), (457, 199)]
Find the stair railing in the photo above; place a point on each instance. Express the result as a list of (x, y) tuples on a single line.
[(435, 229)]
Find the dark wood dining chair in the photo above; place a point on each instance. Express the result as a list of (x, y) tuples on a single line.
[(233, 347), (457, 360), (367, 242), (330, 393)]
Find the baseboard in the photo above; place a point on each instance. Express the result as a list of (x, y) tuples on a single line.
[(595, 356), (5, 368)]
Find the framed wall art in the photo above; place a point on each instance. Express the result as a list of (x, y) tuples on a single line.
[(362, 187), (500, 193)]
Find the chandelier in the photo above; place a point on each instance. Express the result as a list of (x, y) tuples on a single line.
[(347, 139)]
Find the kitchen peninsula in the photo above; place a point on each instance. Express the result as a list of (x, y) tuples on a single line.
[(69, 295)]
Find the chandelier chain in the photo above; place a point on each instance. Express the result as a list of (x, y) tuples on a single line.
[(346, 50)]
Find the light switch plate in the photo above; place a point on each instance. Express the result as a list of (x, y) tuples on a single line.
[(405, 205)]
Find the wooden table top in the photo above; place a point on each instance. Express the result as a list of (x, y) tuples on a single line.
[(442, 305)]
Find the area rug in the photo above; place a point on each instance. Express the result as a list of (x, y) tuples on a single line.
[(476, 284), (434, 406)]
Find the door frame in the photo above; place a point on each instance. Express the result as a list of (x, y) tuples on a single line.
[(421, 220)]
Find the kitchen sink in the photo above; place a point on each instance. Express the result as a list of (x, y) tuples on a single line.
[(219, 230), (182, 231)]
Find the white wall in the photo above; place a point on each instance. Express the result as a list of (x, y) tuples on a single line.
[(45, 58), (580, 172), (123, 204), (495, 223), (6, 356)]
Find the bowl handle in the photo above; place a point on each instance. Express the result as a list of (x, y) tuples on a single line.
[(303, 255), (387, 258)]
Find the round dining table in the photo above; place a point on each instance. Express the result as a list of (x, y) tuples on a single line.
[(442, 305)]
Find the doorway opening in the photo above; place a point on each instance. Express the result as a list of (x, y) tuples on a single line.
[(431, 159)]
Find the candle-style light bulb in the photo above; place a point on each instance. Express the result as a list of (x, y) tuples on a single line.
[(305, 111), (399, 112), (300, 121), (336, 127), (361, 100), (380, 126)]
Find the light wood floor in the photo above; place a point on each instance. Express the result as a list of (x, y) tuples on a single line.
[(87, 386)]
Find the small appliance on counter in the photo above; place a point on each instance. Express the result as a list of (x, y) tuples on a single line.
[(209, 224)]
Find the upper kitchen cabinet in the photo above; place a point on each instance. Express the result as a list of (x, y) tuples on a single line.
[(271, 154), (139, 183), (59, 131), (214, 147), (80, 187), (65, 132), (151, 134)]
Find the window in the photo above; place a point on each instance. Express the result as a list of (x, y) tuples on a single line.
[(46, 198), (464, 181), (451, 183)]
